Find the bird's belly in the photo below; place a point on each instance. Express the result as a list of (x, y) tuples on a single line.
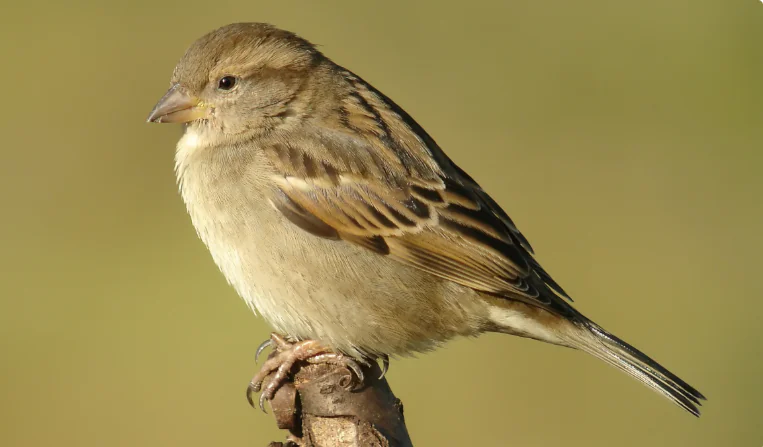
[(343, 295)]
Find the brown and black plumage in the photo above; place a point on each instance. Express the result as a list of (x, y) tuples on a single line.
[(341, 221)]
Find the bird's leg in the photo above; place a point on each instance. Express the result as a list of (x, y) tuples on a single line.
[(284, 357)]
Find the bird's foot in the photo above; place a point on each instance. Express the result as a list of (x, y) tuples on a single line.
[(285, 355)]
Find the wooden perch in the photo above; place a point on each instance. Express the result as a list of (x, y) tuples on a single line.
[(320, 407)]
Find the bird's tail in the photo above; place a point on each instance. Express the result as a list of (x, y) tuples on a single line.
[(601, 344)]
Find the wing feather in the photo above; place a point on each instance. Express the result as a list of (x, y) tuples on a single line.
[(371, 176)]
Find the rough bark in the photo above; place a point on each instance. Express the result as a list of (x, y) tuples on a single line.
[(321, 408)]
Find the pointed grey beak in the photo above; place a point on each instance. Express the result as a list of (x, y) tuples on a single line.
[(178, 106)]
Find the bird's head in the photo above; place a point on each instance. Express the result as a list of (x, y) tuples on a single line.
[(237, 81)]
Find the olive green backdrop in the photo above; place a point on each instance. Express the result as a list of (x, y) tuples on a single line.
[(624, 138)]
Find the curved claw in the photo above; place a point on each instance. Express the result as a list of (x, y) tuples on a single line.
[(261, 402), (385, 366), (249, 393), (355, 368), (254, 388), (263, 346)]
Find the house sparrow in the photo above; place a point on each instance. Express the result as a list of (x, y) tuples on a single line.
[(341, 221)]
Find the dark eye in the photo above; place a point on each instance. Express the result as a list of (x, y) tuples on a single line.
[(226, 83)]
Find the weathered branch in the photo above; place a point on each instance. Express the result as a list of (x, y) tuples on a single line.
[(320, 407)]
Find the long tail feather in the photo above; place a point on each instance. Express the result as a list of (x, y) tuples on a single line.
[(614, 351)]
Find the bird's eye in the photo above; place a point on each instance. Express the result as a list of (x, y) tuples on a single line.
[(226, 83)]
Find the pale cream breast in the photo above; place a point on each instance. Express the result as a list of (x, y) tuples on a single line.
[(305, 286)]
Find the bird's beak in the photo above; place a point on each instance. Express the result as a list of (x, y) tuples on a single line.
[(178, 106)]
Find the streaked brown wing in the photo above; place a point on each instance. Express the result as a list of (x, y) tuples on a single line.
[(373, 177)]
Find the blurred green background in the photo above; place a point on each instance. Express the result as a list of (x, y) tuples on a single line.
[(624, 138)]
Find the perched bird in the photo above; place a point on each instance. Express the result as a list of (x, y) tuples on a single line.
[(341, 221)]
